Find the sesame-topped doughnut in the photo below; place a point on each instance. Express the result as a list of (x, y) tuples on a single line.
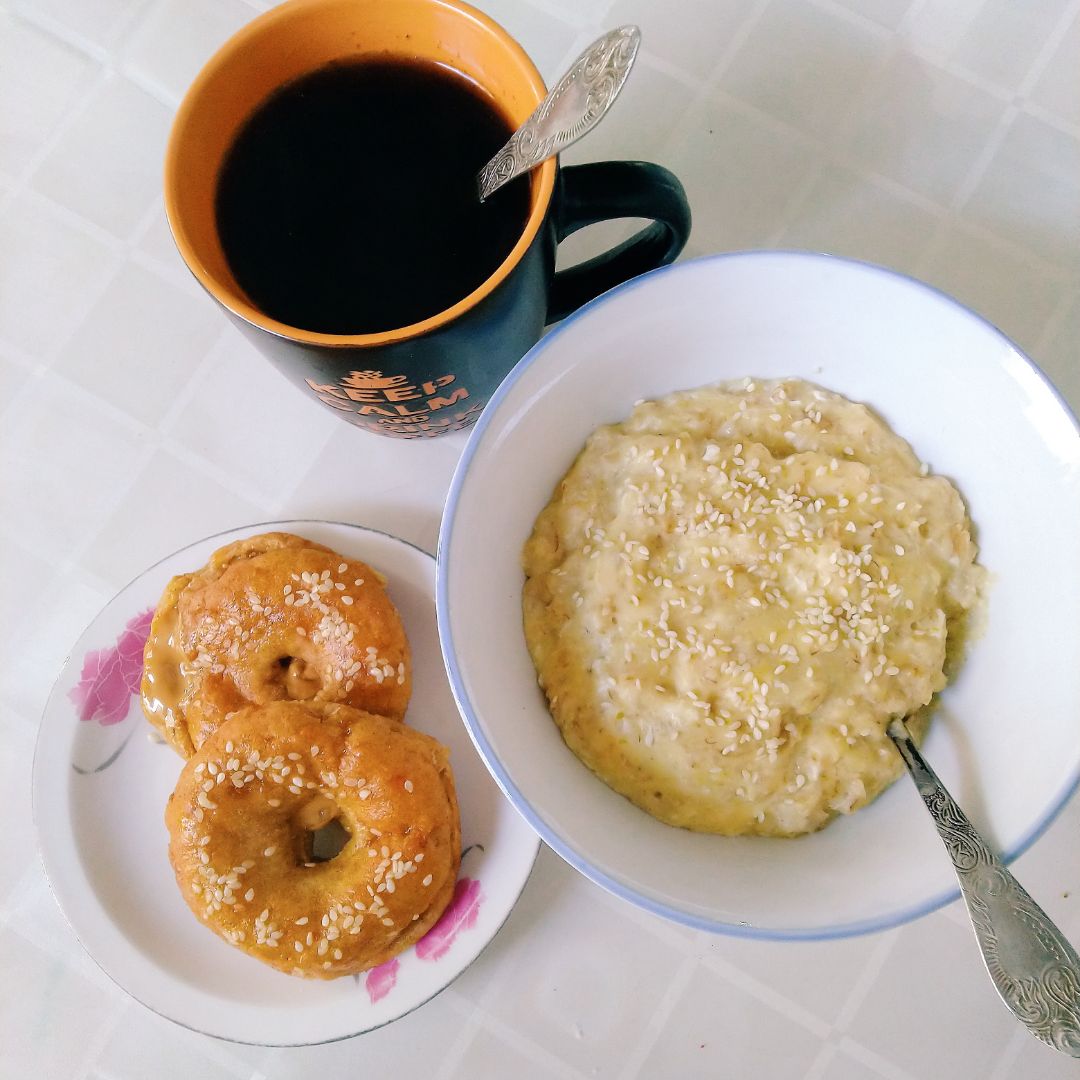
[(244, 825), (271, 618)]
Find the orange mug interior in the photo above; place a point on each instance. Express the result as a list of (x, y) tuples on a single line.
[(292, 40)]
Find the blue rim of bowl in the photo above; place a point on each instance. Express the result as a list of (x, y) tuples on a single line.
[(512, 792)]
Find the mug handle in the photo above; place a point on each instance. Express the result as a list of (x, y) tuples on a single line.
[(616, 189)]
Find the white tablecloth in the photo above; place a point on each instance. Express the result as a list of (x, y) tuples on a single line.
[(939, 137)]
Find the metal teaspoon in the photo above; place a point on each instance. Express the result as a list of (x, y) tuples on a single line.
[(578, 102), (1036, 971)]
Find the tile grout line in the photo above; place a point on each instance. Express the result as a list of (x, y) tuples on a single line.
[(675, 73), (734, 46), (164, 432), (977, 173), (712, 91), (824, 1059), (21, 183), (706, 85), (1055, 321), (845, 160), (109, 68), (166, 423), (104, 54), (852, 17), (464, 1040), (657, 1021), (142, 227), (21, 359), (70, 218), (101, 1037), (767, 995), (1050, 119), (865, 982), (100, 54), (1013, 1049), (57, 948), (881, 1065), (1049, 48), (8, 905), (562, 14), (941, 61), (70, 560), (133, 427), (828, 148), (158, 91), (73, 219), (526, 1045)]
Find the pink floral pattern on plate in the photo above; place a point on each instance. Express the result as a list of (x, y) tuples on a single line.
[(111, 677), (381, 980), (461, 914)]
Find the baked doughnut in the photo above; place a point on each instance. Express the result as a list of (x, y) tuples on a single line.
[(269, 618), (242, 825)]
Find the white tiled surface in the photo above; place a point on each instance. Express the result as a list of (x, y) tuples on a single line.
[(941, 137)]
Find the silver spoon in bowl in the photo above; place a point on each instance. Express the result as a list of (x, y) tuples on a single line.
[(1035, 970), (576, 104)]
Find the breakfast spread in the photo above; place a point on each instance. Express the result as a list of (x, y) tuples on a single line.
[(310, 827), (733, 591), (271, 618), (249, 802)]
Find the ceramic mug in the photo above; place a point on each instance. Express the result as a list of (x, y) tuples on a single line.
[(423, 380)]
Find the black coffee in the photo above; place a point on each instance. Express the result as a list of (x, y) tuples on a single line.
[(348, 203)]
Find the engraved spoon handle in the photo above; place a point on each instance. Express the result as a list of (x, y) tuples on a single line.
[(1036, 971), (573, 108)]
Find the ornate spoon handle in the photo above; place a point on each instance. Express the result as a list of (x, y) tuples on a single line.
[(1036, 971), (574, 107)]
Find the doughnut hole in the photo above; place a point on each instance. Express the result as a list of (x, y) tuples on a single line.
[(284, 667), (321, 832), (299, 678)]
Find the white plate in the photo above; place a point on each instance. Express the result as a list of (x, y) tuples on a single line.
[(1006, 738), (100, 788)]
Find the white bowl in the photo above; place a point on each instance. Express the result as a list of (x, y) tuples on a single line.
[(1006, 739)]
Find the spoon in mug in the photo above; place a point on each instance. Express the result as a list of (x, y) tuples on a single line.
[(1035, 970), (578, 102)]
